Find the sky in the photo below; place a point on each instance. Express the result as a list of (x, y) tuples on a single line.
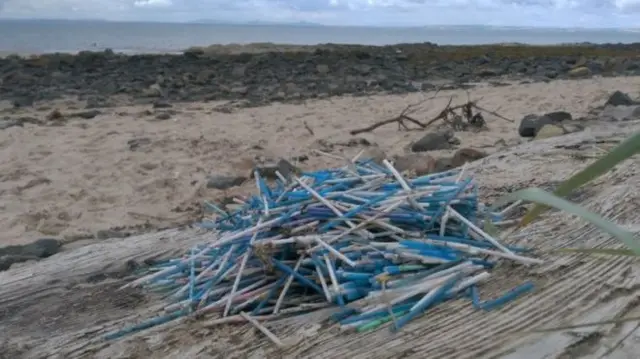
[(539, 13)]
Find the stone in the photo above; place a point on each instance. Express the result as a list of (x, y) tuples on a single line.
[(559, 116), (54, 115), (531, 124), (110, 233), (418, 163), (548, 131), (161, 104), (571, 127), (23, 101), (163, 116), (239, 71), (87, 115), (284, 167), (620, 99), (136, 143), (465, 155), (322, 69), (46, 247), (224, 182), (240, 90), (579, 72), (488, 72), (154, 90), (441, 140)]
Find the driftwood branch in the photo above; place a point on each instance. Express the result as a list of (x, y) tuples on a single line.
[(405, 115), (466, 118)]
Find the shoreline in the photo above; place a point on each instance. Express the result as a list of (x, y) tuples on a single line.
[(258, 47), (260, 74)]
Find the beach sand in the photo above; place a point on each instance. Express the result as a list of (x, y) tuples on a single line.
[(125, 168)]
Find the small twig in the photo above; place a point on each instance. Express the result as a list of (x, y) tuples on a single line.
[(263, 329), (491, 113), (306, 125)]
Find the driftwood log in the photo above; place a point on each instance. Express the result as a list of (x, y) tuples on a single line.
[(59, 307)]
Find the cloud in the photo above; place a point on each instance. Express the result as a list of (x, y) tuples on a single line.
[(562, 13), (152, 3)]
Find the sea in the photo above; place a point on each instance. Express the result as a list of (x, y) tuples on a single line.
[(38, 36)]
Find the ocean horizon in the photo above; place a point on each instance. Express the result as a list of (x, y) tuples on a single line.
[(45, 36)]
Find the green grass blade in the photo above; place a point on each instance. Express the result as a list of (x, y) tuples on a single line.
[(624, 150), (603, 251), (545, 198)]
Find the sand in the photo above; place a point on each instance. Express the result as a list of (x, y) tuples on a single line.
[(79, 178)]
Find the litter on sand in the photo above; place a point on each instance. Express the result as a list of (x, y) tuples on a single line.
[(381, 248)]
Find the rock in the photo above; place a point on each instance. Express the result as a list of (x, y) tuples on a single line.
[(46, 247), (41, 248), (284, 167), (193, 52), (620, 113), (110, 233), (87, 115), (465, 155), (55, 115), (163, 116), (441, 140), (620, 99), (161, 104), (487, 72), (224, 182), (579, 72), (571, 127), (23, 101), (374, 153), (419, 163), (239, 71), (322, 69), (548, 131), (443, 164), (135, 143), (530, 125), (98, 101), (154, 90), (356, 142), (559, 116)]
